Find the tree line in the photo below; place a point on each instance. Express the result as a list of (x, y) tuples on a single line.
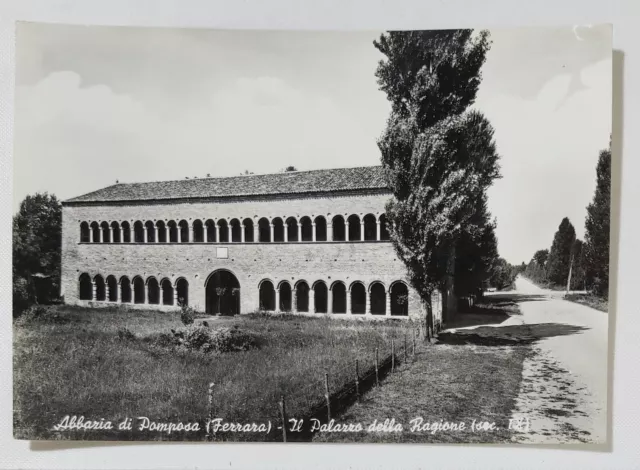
[(575, 264)]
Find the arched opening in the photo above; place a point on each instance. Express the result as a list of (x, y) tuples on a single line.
[(125, 290), (399, 299), (223, 231), (354, 228), (292, 229), (153, 291), (115, 230), (264, 230), (302, 297), (384, 231), (95, 232), (278, 230), (321, 229), (106, 233), (138, 232), (183, 226), (370, 227), (267, 296), (307, 229), (182, 287), (101, 289), (236, 231), (85, 287), (167, 292), (173, 231), (112, 290), (138, 290), (338, 228), (198, 231), (162, 231), (339, 295), (285, 297), (248, 230), (320, 297), (151, 231), (358, 298), (126, 232), (222, 293), (378, 299), (85, 236), (212, 231)]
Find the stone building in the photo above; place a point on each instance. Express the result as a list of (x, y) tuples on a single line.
[(304, 241)]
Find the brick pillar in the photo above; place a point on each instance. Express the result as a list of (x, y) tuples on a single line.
[(205, 233), (313, 231), (271, 230), (387, 302), (349, 301), (277, 307), (329, 301), (242, 235), (299, 232), (256, 233), (377, 230), (94, 291), (312, 301), (362, 229), (144, 237), (329, 232)]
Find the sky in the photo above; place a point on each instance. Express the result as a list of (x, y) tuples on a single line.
[(98, 104)]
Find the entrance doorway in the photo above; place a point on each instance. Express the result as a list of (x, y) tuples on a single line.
[(222, 293)]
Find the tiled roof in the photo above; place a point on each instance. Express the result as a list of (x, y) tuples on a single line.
[(294, 182)]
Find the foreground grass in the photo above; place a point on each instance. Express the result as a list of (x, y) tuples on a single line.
[(589, 300), (454, 384), (80, 365)]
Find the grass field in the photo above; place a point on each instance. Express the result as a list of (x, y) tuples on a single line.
[(79, 363), (589, 300)]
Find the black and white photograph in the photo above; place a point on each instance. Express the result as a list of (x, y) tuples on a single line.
[(394, 236)]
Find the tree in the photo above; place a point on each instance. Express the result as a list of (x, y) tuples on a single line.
[(597, 225), (560, 254), (541, 257), (36, 249), (503, 275), (438, 158), (290, 168)]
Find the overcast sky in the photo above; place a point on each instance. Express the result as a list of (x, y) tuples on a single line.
[(100, 104)]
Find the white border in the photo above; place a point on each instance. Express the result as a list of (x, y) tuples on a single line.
[(347, 14)]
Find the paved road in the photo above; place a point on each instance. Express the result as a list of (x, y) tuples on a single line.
[(564, 388)]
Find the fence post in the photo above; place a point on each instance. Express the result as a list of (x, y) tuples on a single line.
[(326, 389), (413, 351), (376, 365), (283, 415), (405, 347), (357, 382), (393, 357), (210, 409)]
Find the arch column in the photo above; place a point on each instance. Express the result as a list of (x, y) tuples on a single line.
[(387, 303), (271, 232), (230, 233), (294, 300), (218, 232), (110, 234), (175, 295), (167, 233), (90, 234), (107, 291), (190, 239), (346, 230), (312, 301), (313, 231), (205, 232), (348, 301), (132, 233), (277, 306), (286, 232), (179, 233), (121, 235), (242, 237), (367, 310), (256, 232), (101, 235), (145, 234), (329, 300), (299, 232), (362, 229), (118, 293), (146, 293), (156, 229), (329, 232), (378, 230), (94, 291)]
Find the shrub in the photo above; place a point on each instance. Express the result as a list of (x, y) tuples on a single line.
[(125, 334), (22, 297), (187, 314), (41, 314), (204, 339)]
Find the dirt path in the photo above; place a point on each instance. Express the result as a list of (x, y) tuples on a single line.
[(564, 386)]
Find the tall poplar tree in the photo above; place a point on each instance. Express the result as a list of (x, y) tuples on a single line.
[(439, 157), (560, 255), (597, 227)]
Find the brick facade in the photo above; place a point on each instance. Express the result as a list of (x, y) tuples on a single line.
[(252, 263)]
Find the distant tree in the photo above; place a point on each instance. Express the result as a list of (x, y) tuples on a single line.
[(541, 257), (36, 249), (597, 225), (577, 267), (438, 158), (557, 266), (290, 168), (503, 275), (246, 172)]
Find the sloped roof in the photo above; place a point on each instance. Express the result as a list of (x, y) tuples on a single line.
[(294, 182)]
